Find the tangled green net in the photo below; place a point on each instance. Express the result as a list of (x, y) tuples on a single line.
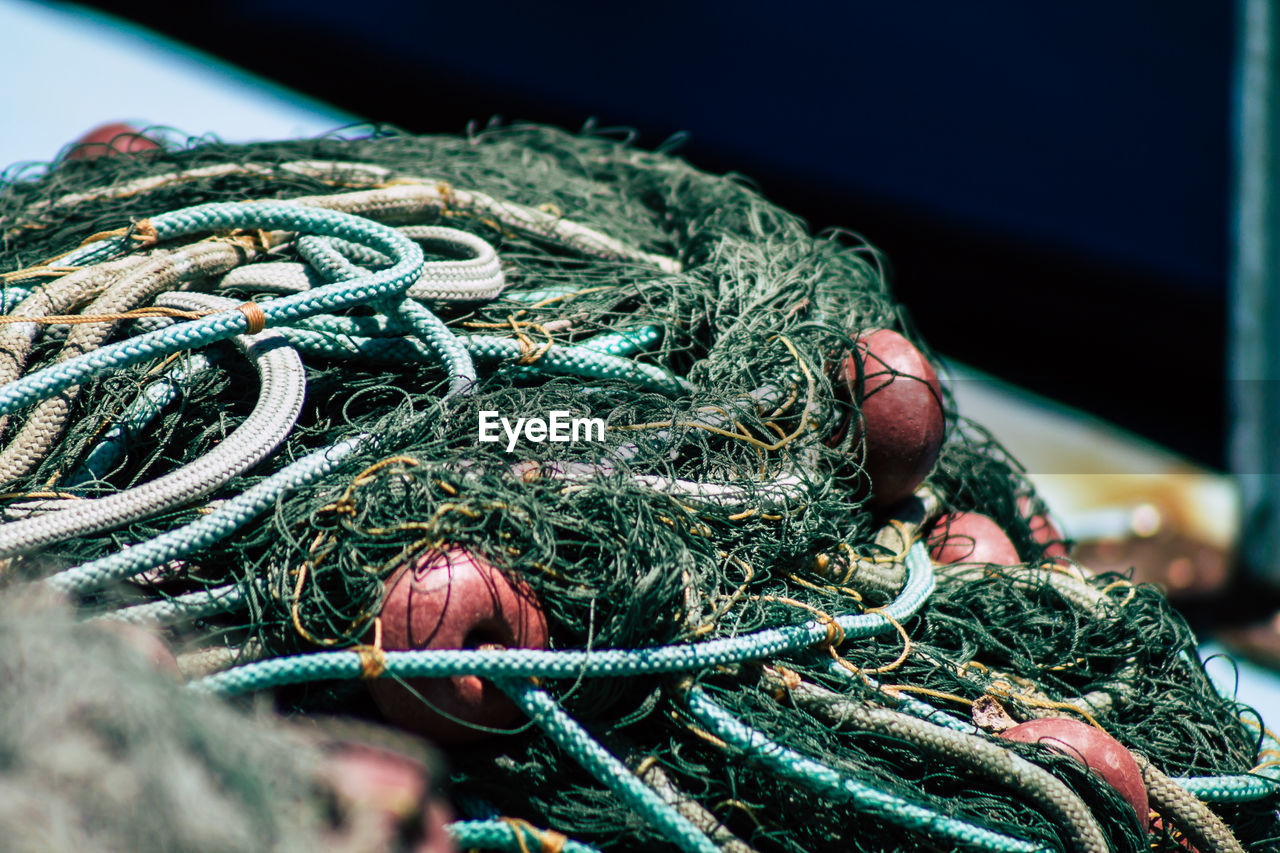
[(727, 496)]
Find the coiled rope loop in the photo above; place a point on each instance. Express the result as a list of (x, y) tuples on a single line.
[(407, 269)]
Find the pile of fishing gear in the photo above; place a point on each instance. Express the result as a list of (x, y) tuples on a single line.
[(555, 484)]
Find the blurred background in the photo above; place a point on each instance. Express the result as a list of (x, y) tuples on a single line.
[(1056, 188)]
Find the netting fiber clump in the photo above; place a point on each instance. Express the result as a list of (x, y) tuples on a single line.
[(606, 476)]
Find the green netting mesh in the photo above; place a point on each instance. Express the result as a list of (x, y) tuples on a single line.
[(617, 545)]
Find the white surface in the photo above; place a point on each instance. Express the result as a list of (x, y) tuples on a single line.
[(67, 70)]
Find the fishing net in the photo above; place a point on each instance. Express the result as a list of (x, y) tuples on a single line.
[(254, 387)]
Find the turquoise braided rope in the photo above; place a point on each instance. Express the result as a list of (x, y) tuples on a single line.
[(222, 522), (145, 408), (501, 835), (441, 341), (559, 360), (192, 605), (194, 334), (622, 344), (536, 296), (372, 326), (1229, 789), (572, 663), (570, 736), (326, 256), (586, 363), (11, 297), (1237, 789), (817, 776), (616, 344)]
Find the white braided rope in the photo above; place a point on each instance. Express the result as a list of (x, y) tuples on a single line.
[(140, 283), (476, 277), (279, 404), (341, 173), (58, 297), (407, 198), (411, 198), (279, 277)]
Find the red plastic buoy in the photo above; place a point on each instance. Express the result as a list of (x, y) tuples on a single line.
[(1096, 749), (390, 790), (970, 537), (113, 138), (1044, 531), (453, 599), (900, 401)]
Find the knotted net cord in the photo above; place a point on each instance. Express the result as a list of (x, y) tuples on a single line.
[(722, 506)]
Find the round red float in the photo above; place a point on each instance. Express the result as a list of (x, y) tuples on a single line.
[(900, 401), (970, 537), (1094, 748), (453, 599), (113, 138)]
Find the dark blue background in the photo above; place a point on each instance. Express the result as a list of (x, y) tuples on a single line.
[(1092, 126)]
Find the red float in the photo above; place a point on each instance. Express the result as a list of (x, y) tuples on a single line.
[(453, 599), (970, 537), (900, 400), (1094, 748), (113, 138)]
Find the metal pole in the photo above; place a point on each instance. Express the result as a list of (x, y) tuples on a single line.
[(1254, 393)]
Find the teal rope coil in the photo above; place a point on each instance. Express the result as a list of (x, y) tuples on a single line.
[(622, 344), (443, 344), (439, 339), (616, 344), (1229, 789), (192, 605), (145, 408), (11, 297), (194, 334), (789, 764), (597, 663), (570, 736), (504, 835), (558, 360), (373, 326), (1237, 789)]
